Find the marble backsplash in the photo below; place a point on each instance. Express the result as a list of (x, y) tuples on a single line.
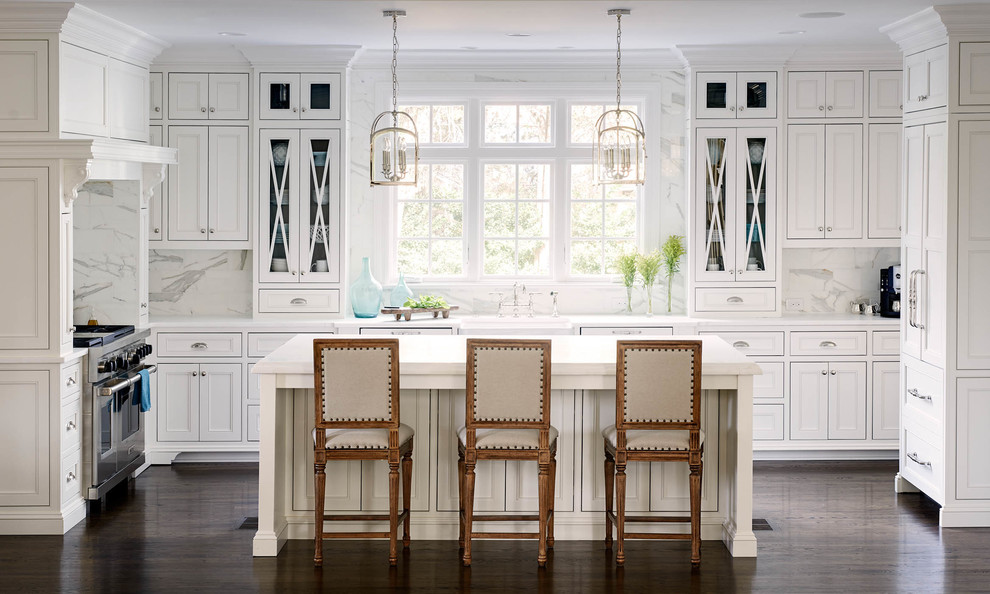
[(106, 250), (199, 283), (829, 279)]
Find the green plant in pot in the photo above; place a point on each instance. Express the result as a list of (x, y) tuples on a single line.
[(627, 268), (648, 266), (671, 252)]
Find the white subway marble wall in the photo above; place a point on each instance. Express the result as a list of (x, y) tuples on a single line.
[(199, 282), (106, 221), (828, 280)]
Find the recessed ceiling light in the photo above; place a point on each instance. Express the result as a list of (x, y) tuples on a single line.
[(231, 34), (821, 15), (519, 34), (792, 32)]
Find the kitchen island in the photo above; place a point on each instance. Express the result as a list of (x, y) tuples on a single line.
[(432, 401)]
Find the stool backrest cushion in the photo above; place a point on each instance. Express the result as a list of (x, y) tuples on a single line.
[(660, 383), (356, 380), (509, 380)]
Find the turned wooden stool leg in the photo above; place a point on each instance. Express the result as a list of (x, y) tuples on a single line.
[(609, 492), (544, 490), (393, 512), (620, 512), (696, 514), (460, 500), (320, 491), (550, 500), (406, 495), (468, 510)]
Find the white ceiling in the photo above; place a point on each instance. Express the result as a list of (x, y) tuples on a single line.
[(483, 24)]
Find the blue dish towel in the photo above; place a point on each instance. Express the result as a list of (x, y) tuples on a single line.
[(145, 386)]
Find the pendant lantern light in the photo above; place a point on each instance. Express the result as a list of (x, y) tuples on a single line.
[(394, 141), (620, 140)]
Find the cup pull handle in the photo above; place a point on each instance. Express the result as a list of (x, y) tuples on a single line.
[(199, 346), (734, 299), (827, 344), (298, 301), (627, 331), (741, 344)]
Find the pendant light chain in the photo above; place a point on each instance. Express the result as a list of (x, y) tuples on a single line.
[(618, 61), (395, 54)]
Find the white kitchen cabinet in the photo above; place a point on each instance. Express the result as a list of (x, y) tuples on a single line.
[(626, 331), (24, 105), (25, 438), (83, 87), (24, 237), (306, 96), (974, 73), (926, 79), (127, 96), (825, 181), (828, 400), (884, 172), (825, 94), (156, 95), (66, 321), (886, 95), (924, 267), (736, 95), (199, 402), (974, 440), (301, 209), (735, 205), (973, 338), (207, 96), (208, 188), (886, 400), (156, 137), (768, 422)]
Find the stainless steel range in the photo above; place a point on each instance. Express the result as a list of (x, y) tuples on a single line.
[(113, 425)]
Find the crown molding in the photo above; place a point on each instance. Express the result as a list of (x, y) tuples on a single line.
[(919, 31), (288, 57), (734, 57), (520, 60), (94, 31), (34, 17)]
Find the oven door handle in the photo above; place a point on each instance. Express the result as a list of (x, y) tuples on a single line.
[(113, 387)]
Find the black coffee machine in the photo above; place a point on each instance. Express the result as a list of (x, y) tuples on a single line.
[(890, 292)]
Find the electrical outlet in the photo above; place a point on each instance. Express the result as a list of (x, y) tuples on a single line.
[(794, 304)]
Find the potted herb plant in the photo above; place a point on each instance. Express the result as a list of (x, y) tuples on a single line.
[(627, 268), (648, 266), (672, 251)]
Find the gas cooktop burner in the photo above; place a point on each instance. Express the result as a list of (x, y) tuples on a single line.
[(91, 336)]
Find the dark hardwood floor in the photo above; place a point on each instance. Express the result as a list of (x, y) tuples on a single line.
[(836, 527)]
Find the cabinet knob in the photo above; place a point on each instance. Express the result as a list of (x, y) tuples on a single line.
[(72, 329), (739, 271), (824, 372), (157, 109), (293, 273), (212, 231), (70, 425), (213, 109), (830, 108), (202, 109), (294, 110), (71, 476), (158, 230), (202, 373), (821, 228), (901, 106), (821, 108), (829, 229), (71, 381), (832, 372), (202, 230), (302, 272), (732, 108), (732, 272), (741, 108), (196, 373), (304, 109)]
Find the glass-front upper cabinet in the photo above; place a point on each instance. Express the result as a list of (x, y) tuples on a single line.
[(300, 240), (307, 96), (735, 204), (731, 95)]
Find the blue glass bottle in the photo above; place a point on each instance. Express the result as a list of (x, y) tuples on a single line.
[(400, 293), (366, 293)]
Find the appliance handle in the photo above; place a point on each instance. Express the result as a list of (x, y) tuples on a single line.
[(920, 324), (113, 387), (912, 298)]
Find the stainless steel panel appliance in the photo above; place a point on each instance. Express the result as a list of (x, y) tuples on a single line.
[(113, 425)]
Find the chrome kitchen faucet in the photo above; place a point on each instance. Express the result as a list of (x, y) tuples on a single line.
[(517, 290)]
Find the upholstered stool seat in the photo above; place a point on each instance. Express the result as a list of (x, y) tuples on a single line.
[(645, 440), (364, 439), (507, 439)]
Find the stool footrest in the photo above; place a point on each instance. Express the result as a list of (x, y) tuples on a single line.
[(675, 519), (528, 535), (656, 536), (505, 518), (355, 535)]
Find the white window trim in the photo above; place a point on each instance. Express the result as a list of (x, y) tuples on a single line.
[(646, 97)]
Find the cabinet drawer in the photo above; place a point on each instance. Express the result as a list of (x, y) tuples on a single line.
[(71, 476), (771, 383), (743, 299), (924, 396), (254, 422), (628, 331), (260, 344), (71, 427), (71, 380), (754, 343), (886, 342), (403, 331), (828, 343), (922, 464), (292, 300), (768, 422), (189, 344)]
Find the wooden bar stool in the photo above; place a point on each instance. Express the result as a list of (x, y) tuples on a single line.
[(657, 419), (507, 418), (357, 418)]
